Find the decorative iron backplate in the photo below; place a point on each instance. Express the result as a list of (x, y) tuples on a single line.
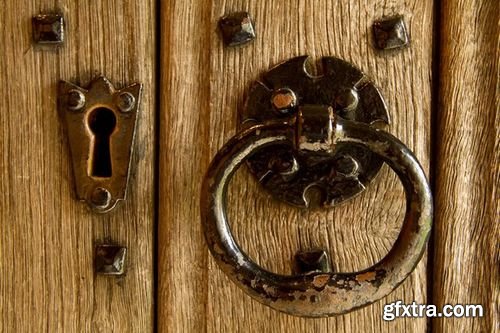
[(289, 174)]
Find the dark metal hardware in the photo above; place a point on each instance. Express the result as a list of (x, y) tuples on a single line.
[(287, 89), (100, 123), (100, 198), (110, 259), (48, 29), (307, 262), (390, 33), (316, 133), (237, 29)]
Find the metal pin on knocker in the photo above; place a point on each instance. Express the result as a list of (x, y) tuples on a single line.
[(302, 131)]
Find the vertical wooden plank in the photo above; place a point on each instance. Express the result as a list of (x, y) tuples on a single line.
[(184, 117), (466, 252), (204, 84), (47, 283), (358, 233)]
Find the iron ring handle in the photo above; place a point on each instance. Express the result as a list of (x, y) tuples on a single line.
[(317, 294)]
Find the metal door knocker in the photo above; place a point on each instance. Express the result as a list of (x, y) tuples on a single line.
[(302, 132)]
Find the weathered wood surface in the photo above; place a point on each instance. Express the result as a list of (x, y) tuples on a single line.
[(203, 85), (467, 232), (47, 238), (47, 282)]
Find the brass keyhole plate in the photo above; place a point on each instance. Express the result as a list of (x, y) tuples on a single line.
[(100, 122)]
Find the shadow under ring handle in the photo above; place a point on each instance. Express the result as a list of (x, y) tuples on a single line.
[(317, 294)]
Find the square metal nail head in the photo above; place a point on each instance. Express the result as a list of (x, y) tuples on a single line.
[(237, 28), (48, 29), (110, 259), (390, 33)]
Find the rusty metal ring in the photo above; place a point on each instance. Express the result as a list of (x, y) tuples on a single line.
[(317, 294)]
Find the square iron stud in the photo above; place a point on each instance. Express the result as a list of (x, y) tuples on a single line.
[(110, 259), (48, 29), (315, 261), (237, 28), (390, 33)]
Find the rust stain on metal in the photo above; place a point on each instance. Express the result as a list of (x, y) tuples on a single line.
[(368, 276), (320, 281)]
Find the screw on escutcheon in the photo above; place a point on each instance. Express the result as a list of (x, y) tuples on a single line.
[(100, 198), (390, 33), (75, 100), (125, 102), (237, 28)]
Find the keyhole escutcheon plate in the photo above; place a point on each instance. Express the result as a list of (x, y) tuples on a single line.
[(100, 122)]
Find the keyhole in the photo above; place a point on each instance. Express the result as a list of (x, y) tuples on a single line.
[(102, 123)]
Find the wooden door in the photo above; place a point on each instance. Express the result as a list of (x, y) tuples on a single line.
[(204, 86), (47, 281), (443, 103), (442, 96), (466, 256)]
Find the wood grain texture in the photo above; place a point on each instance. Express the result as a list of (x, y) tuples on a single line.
[(204, 85), (466, 255), (183, 157), (47, 238)]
